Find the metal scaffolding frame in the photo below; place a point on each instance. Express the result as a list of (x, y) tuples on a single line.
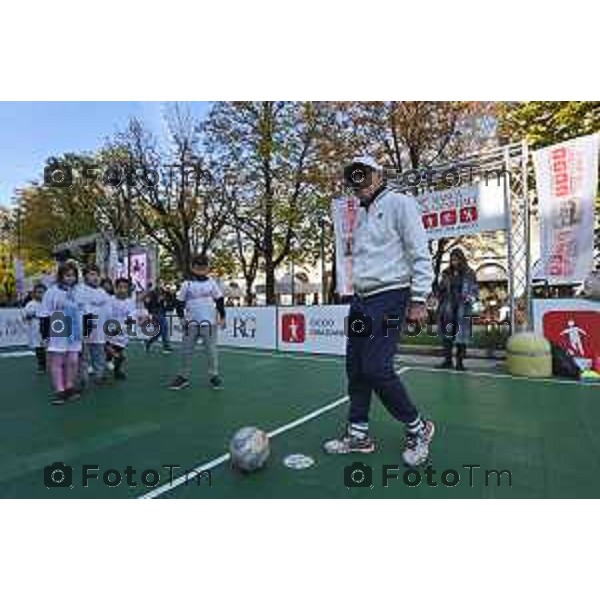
[(510, 163)]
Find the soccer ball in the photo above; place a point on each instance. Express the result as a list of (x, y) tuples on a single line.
[(249, 449)]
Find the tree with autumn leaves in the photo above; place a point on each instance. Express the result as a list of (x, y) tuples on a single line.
[(273, 169)]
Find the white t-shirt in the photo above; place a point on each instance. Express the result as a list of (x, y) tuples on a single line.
[(122, 310), (199, 297), (31, 312), (69, 303), (96, 301)]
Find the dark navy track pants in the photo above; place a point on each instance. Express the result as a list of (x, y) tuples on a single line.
[(370, 360)]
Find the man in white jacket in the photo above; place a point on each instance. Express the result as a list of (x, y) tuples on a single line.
[(392, 277)]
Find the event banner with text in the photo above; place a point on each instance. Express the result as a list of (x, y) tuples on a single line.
[(567, 182), (461, 210)]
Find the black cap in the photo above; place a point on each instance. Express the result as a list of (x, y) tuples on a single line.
[(200, 260)]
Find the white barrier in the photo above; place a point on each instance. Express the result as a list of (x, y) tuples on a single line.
[(250, 327), (245, 327), (14, 331), (318, 329)]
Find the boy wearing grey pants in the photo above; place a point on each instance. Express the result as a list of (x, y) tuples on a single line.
[(201, 306)]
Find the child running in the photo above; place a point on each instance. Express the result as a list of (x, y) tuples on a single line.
[(61, 313), (123, 311), (197, 300), (32, 313)]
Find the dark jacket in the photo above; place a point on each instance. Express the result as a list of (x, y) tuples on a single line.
[(456, 295)]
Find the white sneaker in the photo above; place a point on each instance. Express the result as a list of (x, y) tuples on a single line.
[(416, 445)]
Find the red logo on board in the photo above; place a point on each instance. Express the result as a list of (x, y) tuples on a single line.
[(577, 331), (293, 330), (468, 214), (448, 217), (430, 220)]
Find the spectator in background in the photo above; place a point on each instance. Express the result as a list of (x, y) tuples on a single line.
[(107, 284), (456, 292), (32, 313), (157, 304)]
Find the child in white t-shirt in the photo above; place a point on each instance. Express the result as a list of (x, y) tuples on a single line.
[(61, 314), (32, 313), (123, 315), (201, 306), (96, 309)]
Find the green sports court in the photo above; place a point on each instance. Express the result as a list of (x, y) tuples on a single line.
[(540, 431)]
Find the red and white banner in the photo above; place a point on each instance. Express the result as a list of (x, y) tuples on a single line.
[(457, 211), (572, 324), (344, 212), (318, 329), (567, 183), (463, 210)]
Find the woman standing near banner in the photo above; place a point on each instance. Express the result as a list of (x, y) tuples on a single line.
[(456, 292)]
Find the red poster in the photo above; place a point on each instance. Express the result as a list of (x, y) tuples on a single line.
[(293, 330), (448, 218), (430, 220), (468, 214), (577, 331)]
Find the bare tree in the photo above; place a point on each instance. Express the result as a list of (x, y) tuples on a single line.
[(171, 193)]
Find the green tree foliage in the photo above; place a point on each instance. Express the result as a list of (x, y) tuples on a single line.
[(546, 123), (51, 215), (269, 152)]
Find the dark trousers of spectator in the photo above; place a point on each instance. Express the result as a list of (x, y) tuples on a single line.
[(163, 331), (370, 360), (40, 358)]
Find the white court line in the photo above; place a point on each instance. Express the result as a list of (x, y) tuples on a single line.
[(16, 354), (287, 355), (500, 376), (215, 462)]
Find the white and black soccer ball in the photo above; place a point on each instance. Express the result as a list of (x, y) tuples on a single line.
[(249, 449)]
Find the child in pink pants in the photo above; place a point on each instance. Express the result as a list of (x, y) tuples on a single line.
[(62, 312)]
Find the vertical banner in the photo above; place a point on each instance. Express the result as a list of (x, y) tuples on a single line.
[(113, 259), (138, 271), (567, 182), (19, 277), (344, 215)]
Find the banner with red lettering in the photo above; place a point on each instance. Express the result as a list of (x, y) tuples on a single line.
[(464, 210), (567, 183), (344, 214)]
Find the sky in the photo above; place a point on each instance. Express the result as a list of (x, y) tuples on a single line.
[(32, 131)]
